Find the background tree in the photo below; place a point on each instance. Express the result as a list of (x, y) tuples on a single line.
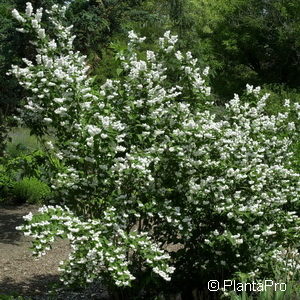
[(96, 22), (253, 41), (248, 41)]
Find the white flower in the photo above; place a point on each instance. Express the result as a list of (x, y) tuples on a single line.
[(169, 49), (178, 55), (22, 30), (39, 14), (35, 23), (286, 103), (132, 35), (256, 91), (41, 33), (230, 215), (205, 71), (134, 38), (29, 9), (61, 111), (86, 105), (52, 44), (28, 217), (120, 148), (150, 56), (48, 120), (93, 130), (17, 16), (59, 100), (49, 144)]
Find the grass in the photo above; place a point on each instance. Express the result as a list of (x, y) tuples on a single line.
[(21, 142)]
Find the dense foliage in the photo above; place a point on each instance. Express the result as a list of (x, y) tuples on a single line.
[(242, 41), (248, 41), (22, 174), (145, 164), (30, 190)]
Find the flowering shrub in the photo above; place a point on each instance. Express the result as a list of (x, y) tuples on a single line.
[(145, 164)]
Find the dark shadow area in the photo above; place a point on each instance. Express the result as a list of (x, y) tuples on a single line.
[(10, 218), (32, 287), (39, 288)]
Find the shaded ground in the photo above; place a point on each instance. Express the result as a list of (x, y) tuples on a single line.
[(20, 272)]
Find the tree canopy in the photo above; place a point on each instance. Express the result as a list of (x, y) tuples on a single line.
[(243, 41)]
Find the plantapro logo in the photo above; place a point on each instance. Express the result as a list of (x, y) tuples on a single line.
[(233, 285)]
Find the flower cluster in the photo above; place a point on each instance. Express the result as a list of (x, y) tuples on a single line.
[(288, 260), (145, 162), (93, 255)]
